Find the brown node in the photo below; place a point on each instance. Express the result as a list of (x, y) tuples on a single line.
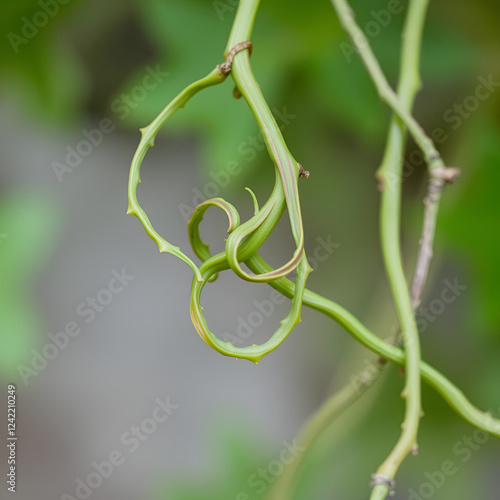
[(302, 172), (225, 67)]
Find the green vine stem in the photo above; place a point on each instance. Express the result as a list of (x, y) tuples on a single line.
[(390, 212), (148, 135), (346, 396), (454, 396), (386, 93), (244, 240), (316, 425)]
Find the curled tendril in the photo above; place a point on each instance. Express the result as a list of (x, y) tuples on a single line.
[(245, 239), (200, 248)]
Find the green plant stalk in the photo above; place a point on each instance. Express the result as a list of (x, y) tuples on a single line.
[(148, 135), (391, 167), (316, 425), (244, 239), (450, 392), (386, 93), (239, 249), (359, 384), (390, 170)]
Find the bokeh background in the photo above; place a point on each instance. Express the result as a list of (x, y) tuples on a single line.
[(63, 233)]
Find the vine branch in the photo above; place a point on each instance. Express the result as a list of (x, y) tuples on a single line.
[(245, 239), (385, 91)]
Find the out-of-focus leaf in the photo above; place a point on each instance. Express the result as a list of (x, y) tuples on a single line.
[(28, 225), (470, 222), (241, 459), (37, 66)]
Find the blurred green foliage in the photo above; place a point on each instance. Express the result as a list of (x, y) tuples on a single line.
[(29, 222)]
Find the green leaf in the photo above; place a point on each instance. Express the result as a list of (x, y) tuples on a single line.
[(28, 225)]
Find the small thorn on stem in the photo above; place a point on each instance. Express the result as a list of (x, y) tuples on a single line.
[(236, 93), (302, 172)]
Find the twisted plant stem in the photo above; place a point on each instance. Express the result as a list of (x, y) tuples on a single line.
[(390, 170), (451, 393), (345, 397), (148, 135), (245, 239), (390, 212)]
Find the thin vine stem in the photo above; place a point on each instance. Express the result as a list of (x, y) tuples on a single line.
[(385, 91), (438, 179), (148, 135), (317, 424), (390, 221), (245, 239), (391, 168), (450, 392)]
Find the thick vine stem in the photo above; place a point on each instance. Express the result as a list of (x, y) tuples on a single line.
[(390, 211), (452, 394), (244, 239), (289, 170), (390, 215)]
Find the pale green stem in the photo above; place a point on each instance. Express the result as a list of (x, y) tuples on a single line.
[(451, 393), (318, 423), (241, 31), (409, 83), (148, 135), (386, 93)]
